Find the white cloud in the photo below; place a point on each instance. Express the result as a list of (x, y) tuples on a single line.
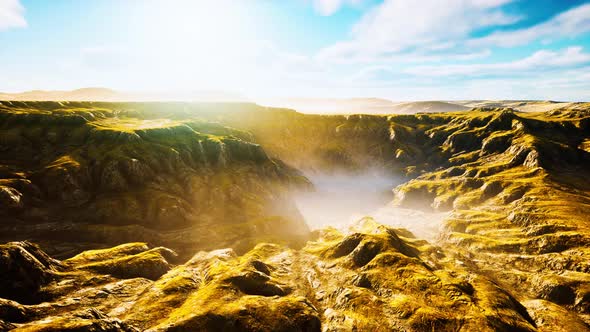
[(11, 15), (399, 25), (329, 7), (567, 24), (541, 60), (567, 84)]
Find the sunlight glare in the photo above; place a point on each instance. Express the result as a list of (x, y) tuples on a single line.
[(196, 44)]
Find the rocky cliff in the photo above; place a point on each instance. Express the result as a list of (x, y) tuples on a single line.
[(78, 175)]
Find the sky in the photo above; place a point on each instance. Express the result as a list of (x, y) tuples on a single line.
[(395, 49)]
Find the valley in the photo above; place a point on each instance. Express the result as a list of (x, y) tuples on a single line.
[(178, 216)]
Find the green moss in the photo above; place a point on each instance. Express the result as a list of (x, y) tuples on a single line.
[(150, 264), (123, 250)]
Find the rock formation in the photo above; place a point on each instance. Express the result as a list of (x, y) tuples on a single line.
[(81, 176)]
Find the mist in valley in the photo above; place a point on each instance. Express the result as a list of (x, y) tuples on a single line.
[(341, 199)]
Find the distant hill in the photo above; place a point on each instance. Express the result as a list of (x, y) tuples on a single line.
[(520, 105), (378, 106), (84, 94), (362, 105), (333, 105), (384, 106), (109, 95), (428, 107)]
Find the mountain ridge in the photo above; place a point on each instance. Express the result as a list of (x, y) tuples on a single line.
[(357, 105), (98, 94)]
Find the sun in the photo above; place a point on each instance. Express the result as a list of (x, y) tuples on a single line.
[(194, 44)]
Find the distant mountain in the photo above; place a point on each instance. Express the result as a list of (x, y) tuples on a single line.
[(105, 94), (428, 107), (520, 105), (303, 105), (385, 106), (332, 105), (84, 94), (362, 105)]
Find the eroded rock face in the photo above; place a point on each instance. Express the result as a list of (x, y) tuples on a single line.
[(518, 206), (77, 175), (516, 185), (368, 278)]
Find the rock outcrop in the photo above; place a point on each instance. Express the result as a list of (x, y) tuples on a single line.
[(367, 278)]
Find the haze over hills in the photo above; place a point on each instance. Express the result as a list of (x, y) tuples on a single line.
[(384, 106), (304, 105), (362, 106), (522, 105), (110, 95)]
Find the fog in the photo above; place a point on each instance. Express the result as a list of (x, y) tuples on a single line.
[(341, 199)]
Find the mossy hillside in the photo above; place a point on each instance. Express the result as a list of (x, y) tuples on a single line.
[(406, 144), (98, 255), (483, 148), (319, 143), (517, 195), (354, 141), (407, 275), (108, 168), (315, 142), (311, 142), (369, 277), (308, 142), (243, 293)]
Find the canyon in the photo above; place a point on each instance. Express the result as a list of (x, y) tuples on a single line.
[(182, 216)]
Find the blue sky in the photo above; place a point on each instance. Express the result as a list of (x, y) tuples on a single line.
[(395, 49)]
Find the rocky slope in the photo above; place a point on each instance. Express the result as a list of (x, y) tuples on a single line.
[(77, 175), (512, 255), (518, 187), (370, 278)]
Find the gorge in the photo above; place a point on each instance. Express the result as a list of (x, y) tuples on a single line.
[(232, 216)]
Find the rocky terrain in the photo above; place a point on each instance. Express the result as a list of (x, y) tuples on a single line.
[(80, 176), (173, 185), (370, 278)]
